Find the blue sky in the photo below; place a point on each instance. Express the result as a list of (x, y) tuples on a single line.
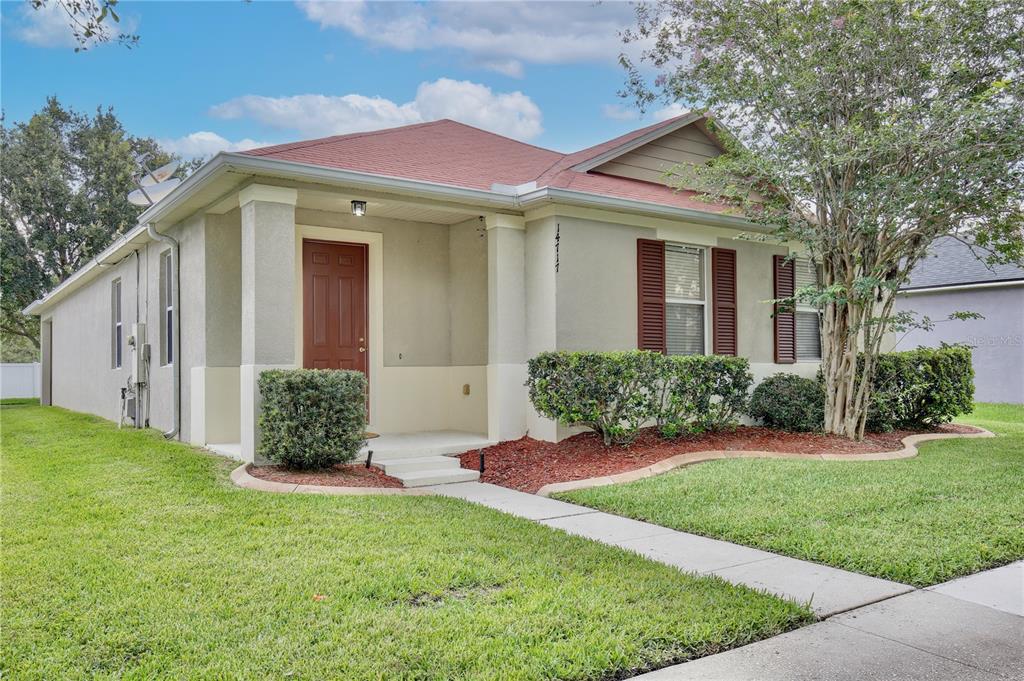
[(213, 75)]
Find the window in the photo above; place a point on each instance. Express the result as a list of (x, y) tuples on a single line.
[(116, 329), (167, 309), (684, 299), (808, 321)]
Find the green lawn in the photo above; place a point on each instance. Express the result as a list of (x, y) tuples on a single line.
[(127, 556), (956, 508)]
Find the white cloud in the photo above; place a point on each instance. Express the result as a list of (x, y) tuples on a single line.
[(50, 26), (670, 111), (495, 35), (619, 113), (510, 113), (204, 144)]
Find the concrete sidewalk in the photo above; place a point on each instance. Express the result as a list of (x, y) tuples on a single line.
[(827, 590), (970, 628), (921, 635)]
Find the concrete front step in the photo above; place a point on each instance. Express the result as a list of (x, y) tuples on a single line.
[(423, 444), (394, 467), (437, 477)]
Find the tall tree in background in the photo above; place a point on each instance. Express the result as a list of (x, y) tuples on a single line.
[(64, 179), (864, 130)]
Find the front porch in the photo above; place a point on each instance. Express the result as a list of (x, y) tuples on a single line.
[(439, 321)]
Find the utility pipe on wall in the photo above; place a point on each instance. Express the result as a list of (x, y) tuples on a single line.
[(176, 330)]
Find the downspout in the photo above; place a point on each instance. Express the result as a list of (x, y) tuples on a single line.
[(176, 340)]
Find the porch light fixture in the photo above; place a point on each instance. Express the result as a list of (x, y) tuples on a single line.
[(359, 208)]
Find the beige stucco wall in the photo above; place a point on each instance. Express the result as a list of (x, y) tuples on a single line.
[(81, 375), (431, 343), (596, 284), (594, 291), (431, 288)]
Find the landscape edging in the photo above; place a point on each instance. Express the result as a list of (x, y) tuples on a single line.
[(242, 478), (909, 450)]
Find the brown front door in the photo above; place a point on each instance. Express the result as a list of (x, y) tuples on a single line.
[(334, 294)]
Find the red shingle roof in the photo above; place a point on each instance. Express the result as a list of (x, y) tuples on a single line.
[(452, 153)]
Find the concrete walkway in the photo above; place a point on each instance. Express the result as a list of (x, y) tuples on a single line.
[(827, 590), (926, 634), (970, 628)]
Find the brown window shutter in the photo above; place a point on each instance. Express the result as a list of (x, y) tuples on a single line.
[(723, 301), (785, 322), (650, 287)]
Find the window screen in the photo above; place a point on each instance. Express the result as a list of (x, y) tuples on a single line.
[(808, 329), (684, 299), (167, 309), (116, 328)]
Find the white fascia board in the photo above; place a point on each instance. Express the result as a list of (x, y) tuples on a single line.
[(577, 198), (358, 180), (224, 162), (629, 146), (962, 287)]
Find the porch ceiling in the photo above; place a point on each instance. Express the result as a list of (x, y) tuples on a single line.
[(383, 207)]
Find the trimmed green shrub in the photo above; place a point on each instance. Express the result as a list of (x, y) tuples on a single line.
[(312, 418), (789, 402), (923, 387), (702, 393), (613, 393)]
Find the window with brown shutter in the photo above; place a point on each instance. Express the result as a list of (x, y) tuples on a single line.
[(650, 271), (723, 301), (785, 322)]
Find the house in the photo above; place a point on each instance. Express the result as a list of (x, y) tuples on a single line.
[(953, 278), (437, 258)]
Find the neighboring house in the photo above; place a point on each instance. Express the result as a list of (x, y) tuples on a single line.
[(475, 253), (954, 279)]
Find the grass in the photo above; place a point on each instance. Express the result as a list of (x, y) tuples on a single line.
[(955, 509), (125, 556)]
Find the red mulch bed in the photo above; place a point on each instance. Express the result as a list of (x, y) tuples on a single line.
[(341, 475), (527, 464)]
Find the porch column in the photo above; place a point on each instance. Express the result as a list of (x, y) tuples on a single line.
[(506, 327), (268, 296)]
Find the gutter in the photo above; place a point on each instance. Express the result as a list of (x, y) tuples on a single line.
[(961, 287), (512, 199), (176, 328), (578, 198)]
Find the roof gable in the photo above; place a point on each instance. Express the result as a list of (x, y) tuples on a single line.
[(650, 161)]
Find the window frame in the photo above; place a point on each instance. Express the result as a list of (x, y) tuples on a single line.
[(804, 308), (167, 312), (116, 324), (705, 276)]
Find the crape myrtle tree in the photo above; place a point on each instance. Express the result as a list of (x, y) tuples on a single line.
[(64, 182), (863, 130)]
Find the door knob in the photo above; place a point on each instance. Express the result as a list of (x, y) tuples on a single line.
[(362, 349)]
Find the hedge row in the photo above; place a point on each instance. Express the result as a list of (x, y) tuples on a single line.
[(616, 393)]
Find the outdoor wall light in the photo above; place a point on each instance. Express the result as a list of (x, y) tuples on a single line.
[(359, 208)]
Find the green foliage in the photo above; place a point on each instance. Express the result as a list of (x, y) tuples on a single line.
[(64, 182), (17, 349), (312, 418), (922, 387), (702, 393), (789, 402), (126, 556), (954, 509), (91, 22), (615, 393), (864, 130)]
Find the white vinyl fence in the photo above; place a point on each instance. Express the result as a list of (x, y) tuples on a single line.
[(21, 380)]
